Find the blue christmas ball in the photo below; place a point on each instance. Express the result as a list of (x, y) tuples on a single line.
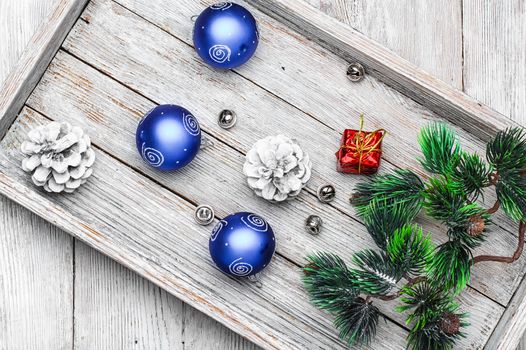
[(225, 35), (242, 244), (168, 137)]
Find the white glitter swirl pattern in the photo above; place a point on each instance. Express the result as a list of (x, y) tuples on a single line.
[(255, 222), (220, 53), (223, 5), (154, 157), (191, 125), (240, 269), (218, 227)]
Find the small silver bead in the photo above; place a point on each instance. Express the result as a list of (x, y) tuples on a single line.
[(313, 224), (355, 72), (326, 193), (227, 119), (204, 215)]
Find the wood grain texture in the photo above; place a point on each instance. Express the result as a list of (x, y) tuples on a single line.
[(250, 101), (495, 73), (438, 96), (116, 309), (283, 59), (35, 311), (114, 103), (33, 62), (426, 33), (202, 332), (107, 115), (171, 251), (476, 304), (494, 54), (36, 282), (510, 330), (18, 22)]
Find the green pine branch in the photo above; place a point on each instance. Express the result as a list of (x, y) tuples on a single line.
[(388, 204), (376, 274), (426, 301), (511, 193), (410, 250), (357, 323), (440, 147), (334, 288), (382, 219), (403, 187), (507, 150), (329, 282), (471, 175), (440, 333), (451, 266)]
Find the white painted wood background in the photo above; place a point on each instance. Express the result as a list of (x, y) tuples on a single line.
[(57, 293)]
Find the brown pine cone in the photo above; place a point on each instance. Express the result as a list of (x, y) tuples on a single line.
[(476, 225), (450, 323)]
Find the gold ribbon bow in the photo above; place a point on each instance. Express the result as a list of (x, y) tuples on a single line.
[(362, 144)]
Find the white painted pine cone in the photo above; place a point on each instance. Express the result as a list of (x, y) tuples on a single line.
[(59, 156), (277, 168)]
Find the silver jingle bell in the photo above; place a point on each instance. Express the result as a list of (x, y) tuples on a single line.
[(326, 193), (355, 72), (204, 215), (313, 224), (227, 119)]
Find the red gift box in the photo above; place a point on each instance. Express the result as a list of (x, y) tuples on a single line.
[(360, 151)]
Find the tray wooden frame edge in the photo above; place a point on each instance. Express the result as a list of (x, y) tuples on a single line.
[(431, 92), (413, 82), (35, 59)]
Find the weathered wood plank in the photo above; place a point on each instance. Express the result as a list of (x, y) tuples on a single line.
[(426, 33), (510, 329), (35, 258), (70, 89), (36, 284), (19, 21), (201, 332), (495, 73), (494, 55), (192, 88), (431, 92), (116, 309), (33, 62), (171, 250), (284, 60)]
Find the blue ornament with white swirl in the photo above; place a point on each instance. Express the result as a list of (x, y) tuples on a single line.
[(225, 35), (168, 137), (242, 244)]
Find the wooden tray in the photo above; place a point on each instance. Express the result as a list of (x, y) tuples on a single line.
[(119, 58)]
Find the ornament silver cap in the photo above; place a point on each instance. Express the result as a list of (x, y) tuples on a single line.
[(313, 224), (227, 119), (256, 279), (355, 72), (326, 193), (204, 215)]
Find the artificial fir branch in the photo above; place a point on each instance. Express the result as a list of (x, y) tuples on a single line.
[(440, 147), (403, 187), (388, 204), (382, 219)]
